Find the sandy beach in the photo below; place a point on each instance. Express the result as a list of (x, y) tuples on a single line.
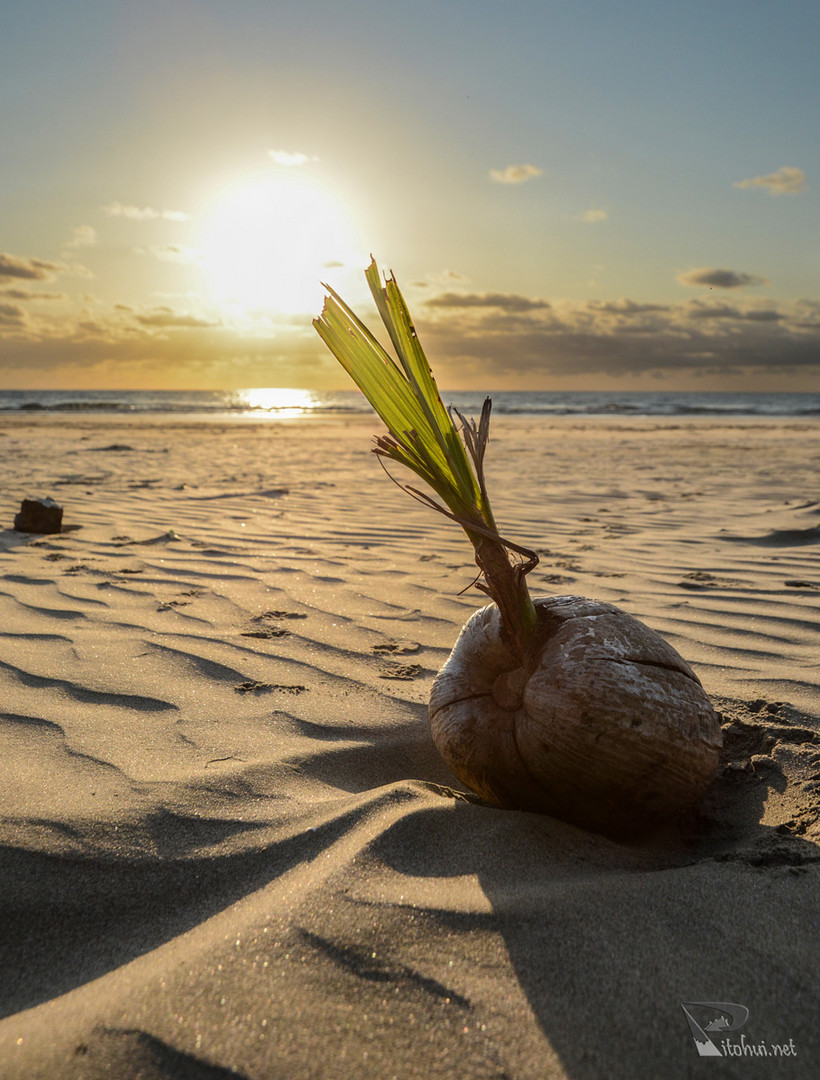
[(229, 847)]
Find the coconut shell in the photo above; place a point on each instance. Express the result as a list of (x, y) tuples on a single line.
[(605, 725)]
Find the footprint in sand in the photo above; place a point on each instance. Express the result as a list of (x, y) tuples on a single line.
[(701, 579), (169, 605), (264, 630), (556, 579), (402, 672), (396, 648), (253, 687)]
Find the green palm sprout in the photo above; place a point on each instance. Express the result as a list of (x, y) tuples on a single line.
[(423, 436)]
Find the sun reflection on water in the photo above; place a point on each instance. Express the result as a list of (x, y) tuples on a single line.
[(275, 399)]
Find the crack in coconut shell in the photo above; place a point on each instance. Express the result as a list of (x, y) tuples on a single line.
[(603, 725)]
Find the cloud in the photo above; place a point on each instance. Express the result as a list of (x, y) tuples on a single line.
[(15, 266), (786, 181), (143, 213), (515, 174), (588, 343), (289, 159), (593, 217), (175, 253), (763, 315), (625, 307), (719, 279), (165, 318), (11, 315), (112, 348), (30, 294), (504, 301), (496, 339), (698, 310), (82, 236), (77, 270), (441, 278)]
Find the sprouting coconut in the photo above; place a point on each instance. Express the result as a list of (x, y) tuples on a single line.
[(562, 705)]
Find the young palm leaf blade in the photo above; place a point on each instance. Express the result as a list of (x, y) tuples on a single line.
[(423, 436)]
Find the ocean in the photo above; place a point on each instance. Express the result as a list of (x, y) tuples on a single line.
[(292, 403)]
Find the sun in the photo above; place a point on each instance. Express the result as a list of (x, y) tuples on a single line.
[(267, 242)]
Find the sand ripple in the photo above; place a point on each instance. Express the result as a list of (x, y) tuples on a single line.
[(228, 846)]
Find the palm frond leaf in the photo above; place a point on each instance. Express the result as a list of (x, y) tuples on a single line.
[(423, 435)]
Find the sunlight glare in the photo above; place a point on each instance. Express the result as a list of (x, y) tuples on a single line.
[(269, 240), (275, 399)]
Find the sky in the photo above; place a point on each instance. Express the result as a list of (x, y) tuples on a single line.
[(571, 195)]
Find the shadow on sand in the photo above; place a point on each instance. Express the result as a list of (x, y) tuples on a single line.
[(580, 952)]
